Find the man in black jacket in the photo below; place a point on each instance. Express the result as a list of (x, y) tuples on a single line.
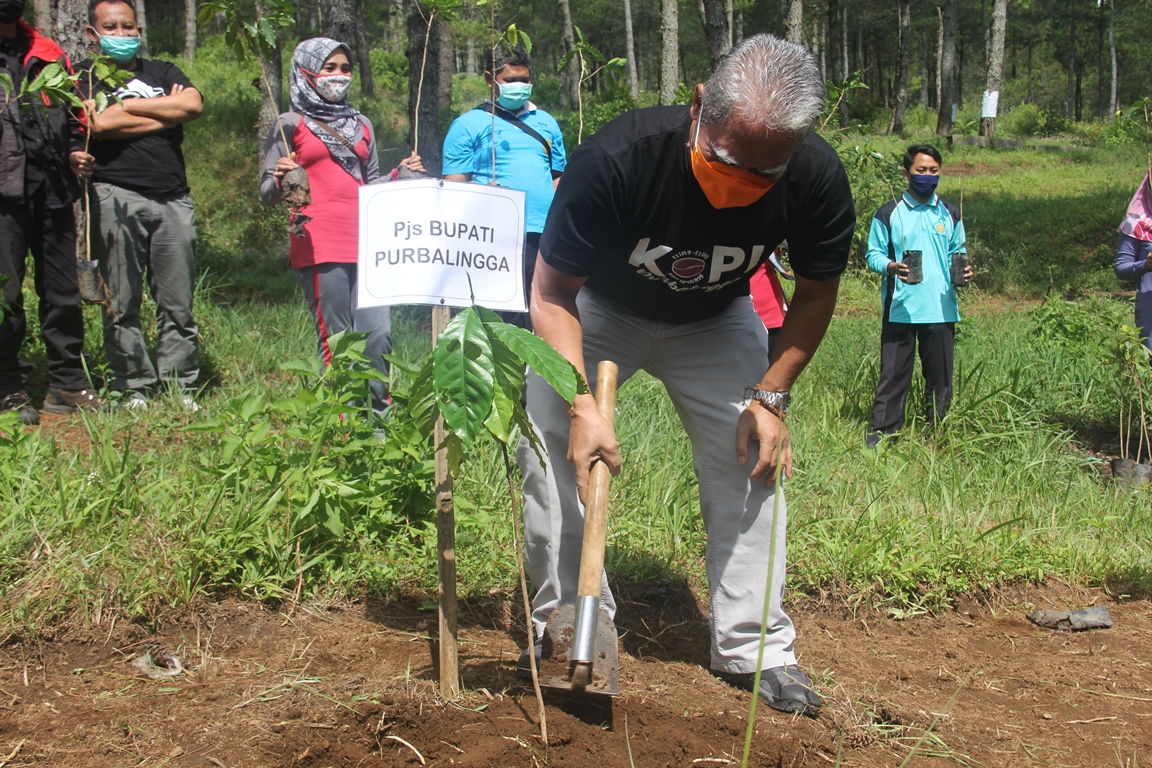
[(41, 154)]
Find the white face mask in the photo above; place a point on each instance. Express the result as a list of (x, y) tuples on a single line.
[(333, 88)]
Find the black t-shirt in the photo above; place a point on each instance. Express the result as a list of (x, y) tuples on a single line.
[(630, 216), (152, 164)]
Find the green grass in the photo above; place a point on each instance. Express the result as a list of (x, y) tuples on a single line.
[(155, 516)]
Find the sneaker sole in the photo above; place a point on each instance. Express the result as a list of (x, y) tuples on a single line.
[(60, 410)]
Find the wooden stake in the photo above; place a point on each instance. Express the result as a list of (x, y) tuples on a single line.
[(445, 546)]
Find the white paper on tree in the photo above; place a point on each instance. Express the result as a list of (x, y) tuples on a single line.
[(422, 240), (990, 104)]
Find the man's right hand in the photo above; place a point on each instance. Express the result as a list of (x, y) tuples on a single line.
[(900, 269), (284, 165), (591, 439)]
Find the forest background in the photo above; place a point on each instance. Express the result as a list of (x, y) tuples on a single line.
[(1059, 68)]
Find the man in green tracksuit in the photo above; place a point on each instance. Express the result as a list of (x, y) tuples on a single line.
[(919, 305)]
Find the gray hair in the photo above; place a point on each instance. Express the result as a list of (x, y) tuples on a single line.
[(768, 81)]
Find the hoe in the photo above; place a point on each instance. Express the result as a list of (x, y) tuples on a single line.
[(580, 652)]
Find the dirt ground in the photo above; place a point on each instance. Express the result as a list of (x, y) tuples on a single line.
[(355, 685)]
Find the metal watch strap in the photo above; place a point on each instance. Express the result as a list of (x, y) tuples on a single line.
[(774, 402)]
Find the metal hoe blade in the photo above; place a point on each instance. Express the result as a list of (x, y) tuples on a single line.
[(559, 670)]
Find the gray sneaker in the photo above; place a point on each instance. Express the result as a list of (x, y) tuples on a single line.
[(18, 401), (784, 688)]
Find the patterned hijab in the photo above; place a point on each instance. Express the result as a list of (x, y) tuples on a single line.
[(1137, 221), (307, 60)]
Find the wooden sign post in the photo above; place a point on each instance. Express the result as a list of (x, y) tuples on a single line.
[(445, 545)]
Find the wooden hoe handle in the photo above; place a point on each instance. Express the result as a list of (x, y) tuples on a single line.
[(596, 513)]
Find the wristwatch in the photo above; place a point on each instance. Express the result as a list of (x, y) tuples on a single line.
[(776, 402)]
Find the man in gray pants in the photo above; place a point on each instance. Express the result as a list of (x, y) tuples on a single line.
[(143, 225), (662, 218)]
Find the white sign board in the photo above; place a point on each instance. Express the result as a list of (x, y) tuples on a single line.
[(422, 240)]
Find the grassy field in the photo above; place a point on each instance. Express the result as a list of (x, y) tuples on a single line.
[(272, 495)]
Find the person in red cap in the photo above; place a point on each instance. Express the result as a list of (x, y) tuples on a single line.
[(41, 156)]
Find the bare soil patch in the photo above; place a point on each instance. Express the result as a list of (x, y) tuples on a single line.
[(355, 685)]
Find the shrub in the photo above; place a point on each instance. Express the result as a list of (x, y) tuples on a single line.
[(1023, 121)]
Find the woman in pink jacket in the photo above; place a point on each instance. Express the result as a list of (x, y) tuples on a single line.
[(336, 145)]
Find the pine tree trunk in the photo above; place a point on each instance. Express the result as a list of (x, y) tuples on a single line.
[(670, 50), (835, 62), (270, 110), (444, 94), (142, 22), (189, 29), (1101, 65), (995, 69), (1112, 46), (948, 69), (924, 102), (630, 51), (425, 135), (796, 21), (337, 20), (570, 79), (713, 17), (939, 54), (1072, 70), (363, 57), (43, 11), (904, 11), (71, 18)]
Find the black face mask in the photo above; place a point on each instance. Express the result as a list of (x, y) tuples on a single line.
[(11, 10)]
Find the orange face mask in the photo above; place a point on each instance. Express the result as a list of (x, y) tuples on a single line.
[(726, 186)]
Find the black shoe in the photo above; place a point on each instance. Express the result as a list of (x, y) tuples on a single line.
[(524, 667), (784, 688), (18, 401)]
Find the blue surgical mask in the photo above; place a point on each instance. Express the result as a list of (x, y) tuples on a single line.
[(923, 185), (121, 48), (513, 95)]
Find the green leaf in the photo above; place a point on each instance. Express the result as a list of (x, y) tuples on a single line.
[(422, 408), (205, 14), (334, 523), (560, 374), (617, 63), (564, 60), (461, 375), (527, 41), (251, 406)]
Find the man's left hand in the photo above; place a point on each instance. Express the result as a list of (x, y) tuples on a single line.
[(969, 274), (82, 164), (759, 424), (413, 163)]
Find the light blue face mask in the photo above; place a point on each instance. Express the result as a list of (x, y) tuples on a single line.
[(514, 95), (121, 48)]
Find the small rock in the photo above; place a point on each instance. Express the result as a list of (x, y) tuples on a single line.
[(1074, 621)]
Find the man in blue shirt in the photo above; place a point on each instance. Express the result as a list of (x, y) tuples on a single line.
[(529, 152), (918, 308)]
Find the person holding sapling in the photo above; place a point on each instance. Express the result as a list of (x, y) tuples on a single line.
[(645, 260), (1134, 255), (529, 148), (143, 223), (918, 244), (41, 155), (336, 146)]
